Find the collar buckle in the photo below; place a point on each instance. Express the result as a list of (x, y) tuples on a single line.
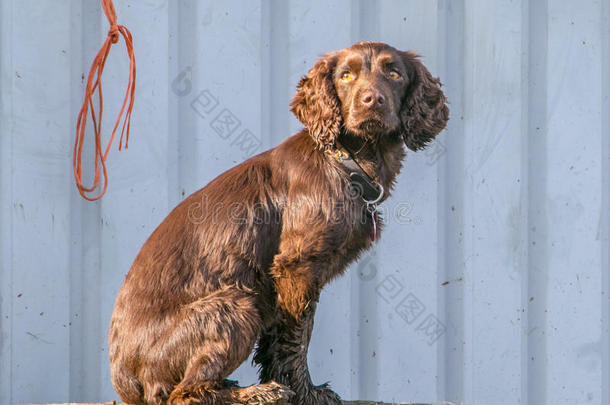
[(365, 187)]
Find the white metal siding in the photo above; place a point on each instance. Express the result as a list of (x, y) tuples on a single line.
[(499, 234)]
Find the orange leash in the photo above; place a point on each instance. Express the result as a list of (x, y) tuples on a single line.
[(93, 83)]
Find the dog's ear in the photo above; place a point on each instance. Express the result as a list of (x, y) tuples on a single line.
[(424, 113), (316, 103)]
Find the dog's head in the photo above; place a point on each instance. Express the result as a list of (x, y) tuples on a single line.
[(371, 90)]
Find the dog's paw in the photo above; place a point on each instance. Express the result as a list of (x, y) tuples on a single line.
[(269, 393), (183, 397), (206, 393), (323, 395)]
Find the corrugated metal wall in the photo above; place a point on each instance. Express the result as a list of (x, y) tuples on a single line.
[(490, 285)]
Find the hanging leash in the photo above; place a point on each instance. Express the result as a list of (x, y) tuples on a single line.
[(94, 83)]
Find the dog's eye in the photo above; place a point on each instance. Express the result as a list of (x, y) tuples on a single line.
[(347, 76), (394, 75)]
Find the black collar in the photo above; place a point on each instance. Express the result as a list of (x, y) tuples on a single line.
[(363, 185)]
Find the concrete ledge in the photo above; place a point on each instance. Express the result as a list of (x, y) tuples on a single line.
[(344, 403)]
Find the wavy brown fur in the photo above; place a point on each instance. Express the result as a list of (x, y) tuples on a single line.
[(241, 262)]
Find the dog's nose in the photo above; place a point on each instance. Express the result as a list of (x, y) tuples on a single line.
[(372, 99)]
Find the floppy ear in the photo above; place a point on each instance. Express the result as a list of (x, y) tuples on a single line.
[(424, 113), (316, 104)]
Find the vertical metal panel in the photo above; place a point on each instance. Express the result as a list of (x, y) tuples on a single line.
[(452, 263), (574, 243), (534, 345), (605, 213), (6, 212), (38, 202), (498, 234), (491, 235), (86, 330)]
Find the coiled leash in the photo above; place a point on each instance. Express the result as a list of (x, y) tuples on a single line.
[(94, 82), (364, 185)]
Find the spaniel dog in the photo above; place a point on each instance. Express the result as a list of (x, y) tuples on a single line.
[(239, 265)]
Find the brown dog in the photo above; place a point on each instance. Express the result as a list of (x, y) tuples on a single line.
[(242, 261)]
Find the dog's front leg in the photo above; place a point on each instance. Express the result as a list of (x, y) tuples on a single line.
[(282, 356)]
